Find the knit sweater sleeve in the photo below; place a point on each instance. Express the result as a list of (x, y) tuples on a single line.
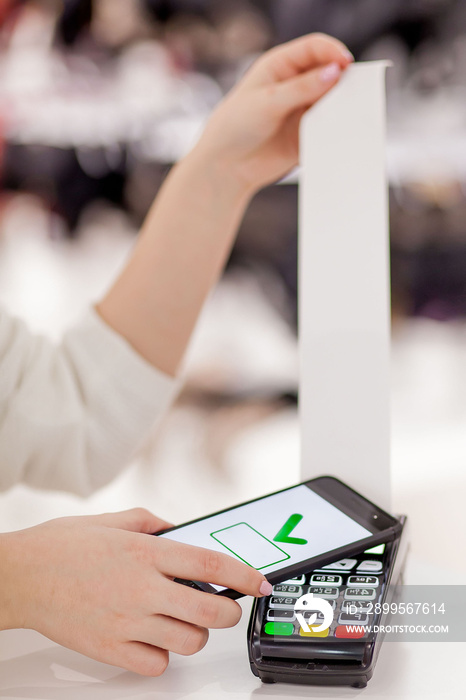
[(73, 414)]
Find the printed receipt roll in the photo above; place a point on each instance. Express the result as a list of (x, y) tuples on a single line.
[(344, 293)]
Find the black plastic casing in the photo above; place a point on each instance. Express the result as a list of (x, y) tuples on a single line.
[(353, 666)]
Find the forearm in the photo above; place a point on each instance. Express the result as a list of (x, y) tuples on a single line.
[(181, 251)]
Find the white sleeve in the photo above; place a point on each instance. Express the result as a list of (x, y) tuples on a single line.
[(72, 415)]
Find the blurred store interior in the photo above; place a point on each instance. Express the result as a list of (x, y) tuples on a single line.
[(98, 98)]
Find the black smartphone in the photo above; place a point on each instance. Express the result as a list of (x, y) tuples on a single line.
[(286, 532)]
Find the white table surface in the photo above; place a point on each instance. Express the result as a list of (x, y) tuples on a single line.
[(35, 668)]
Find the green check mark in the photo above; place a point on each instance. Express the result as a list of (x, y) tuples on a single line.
[(283, 534)]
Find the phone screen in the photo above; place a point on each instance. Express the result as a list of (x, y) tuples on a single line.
[(274, 532)]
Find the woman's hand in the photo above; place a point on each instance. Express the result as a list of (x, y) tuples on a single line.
[(250, 141), (102, 587), (255, 129)]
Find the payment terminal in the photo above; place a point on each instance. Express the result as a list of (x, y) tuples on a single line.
[(283, 644)]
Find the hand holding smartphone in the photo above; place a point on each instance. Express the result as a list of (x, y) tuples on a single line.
[(290, 531)]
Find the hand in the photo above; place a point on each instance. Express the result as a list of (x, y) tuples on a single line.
[(255, 129), (250, 141), (100, 586)]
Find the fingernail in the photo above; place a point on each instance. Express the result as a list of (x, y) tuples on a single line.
[(348, 55), (265, 588), (330, 72)]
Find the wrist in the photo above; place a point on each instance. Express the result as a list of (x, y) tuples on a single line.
[(223, 171), (11, 583)]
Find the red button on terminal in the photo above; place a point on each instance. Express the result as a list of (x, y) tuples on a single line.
[(349, 632)]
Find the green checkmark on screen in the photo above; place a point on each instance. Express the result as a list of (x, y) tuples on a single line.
[(283, 535)]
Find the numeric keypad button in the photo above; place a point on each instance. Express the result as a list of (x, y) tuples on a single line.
[(355, 619), (287, 589), (282, 603), (281, 615), (325, 591), (356, 606), (360, 594), (326, 580), (370, 581)]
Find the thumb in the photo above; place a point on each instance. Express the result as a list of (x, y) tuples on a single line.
[(135, 520), (306, 89)]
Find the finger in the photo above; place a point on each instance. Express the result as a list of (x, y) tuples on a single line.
[(306, 89), (140, 658), (173, 635), (289, 60), (135, 520), (196, 607), (209, 566)]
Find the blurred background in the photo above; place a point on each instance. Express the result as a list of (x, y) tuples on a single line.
[(98, 98)]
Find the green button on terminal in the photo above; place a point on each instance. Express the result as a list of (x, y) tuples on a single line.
[(283, 629)]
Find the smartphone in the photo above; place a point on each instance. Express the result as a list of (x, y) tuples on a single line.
[(286, 532)]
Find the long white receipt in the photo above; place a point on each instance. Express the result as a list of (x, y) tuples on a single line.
[(344, 303)]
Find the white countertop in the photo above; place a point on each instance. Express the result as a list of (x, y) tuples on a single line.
[(33, 667)]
